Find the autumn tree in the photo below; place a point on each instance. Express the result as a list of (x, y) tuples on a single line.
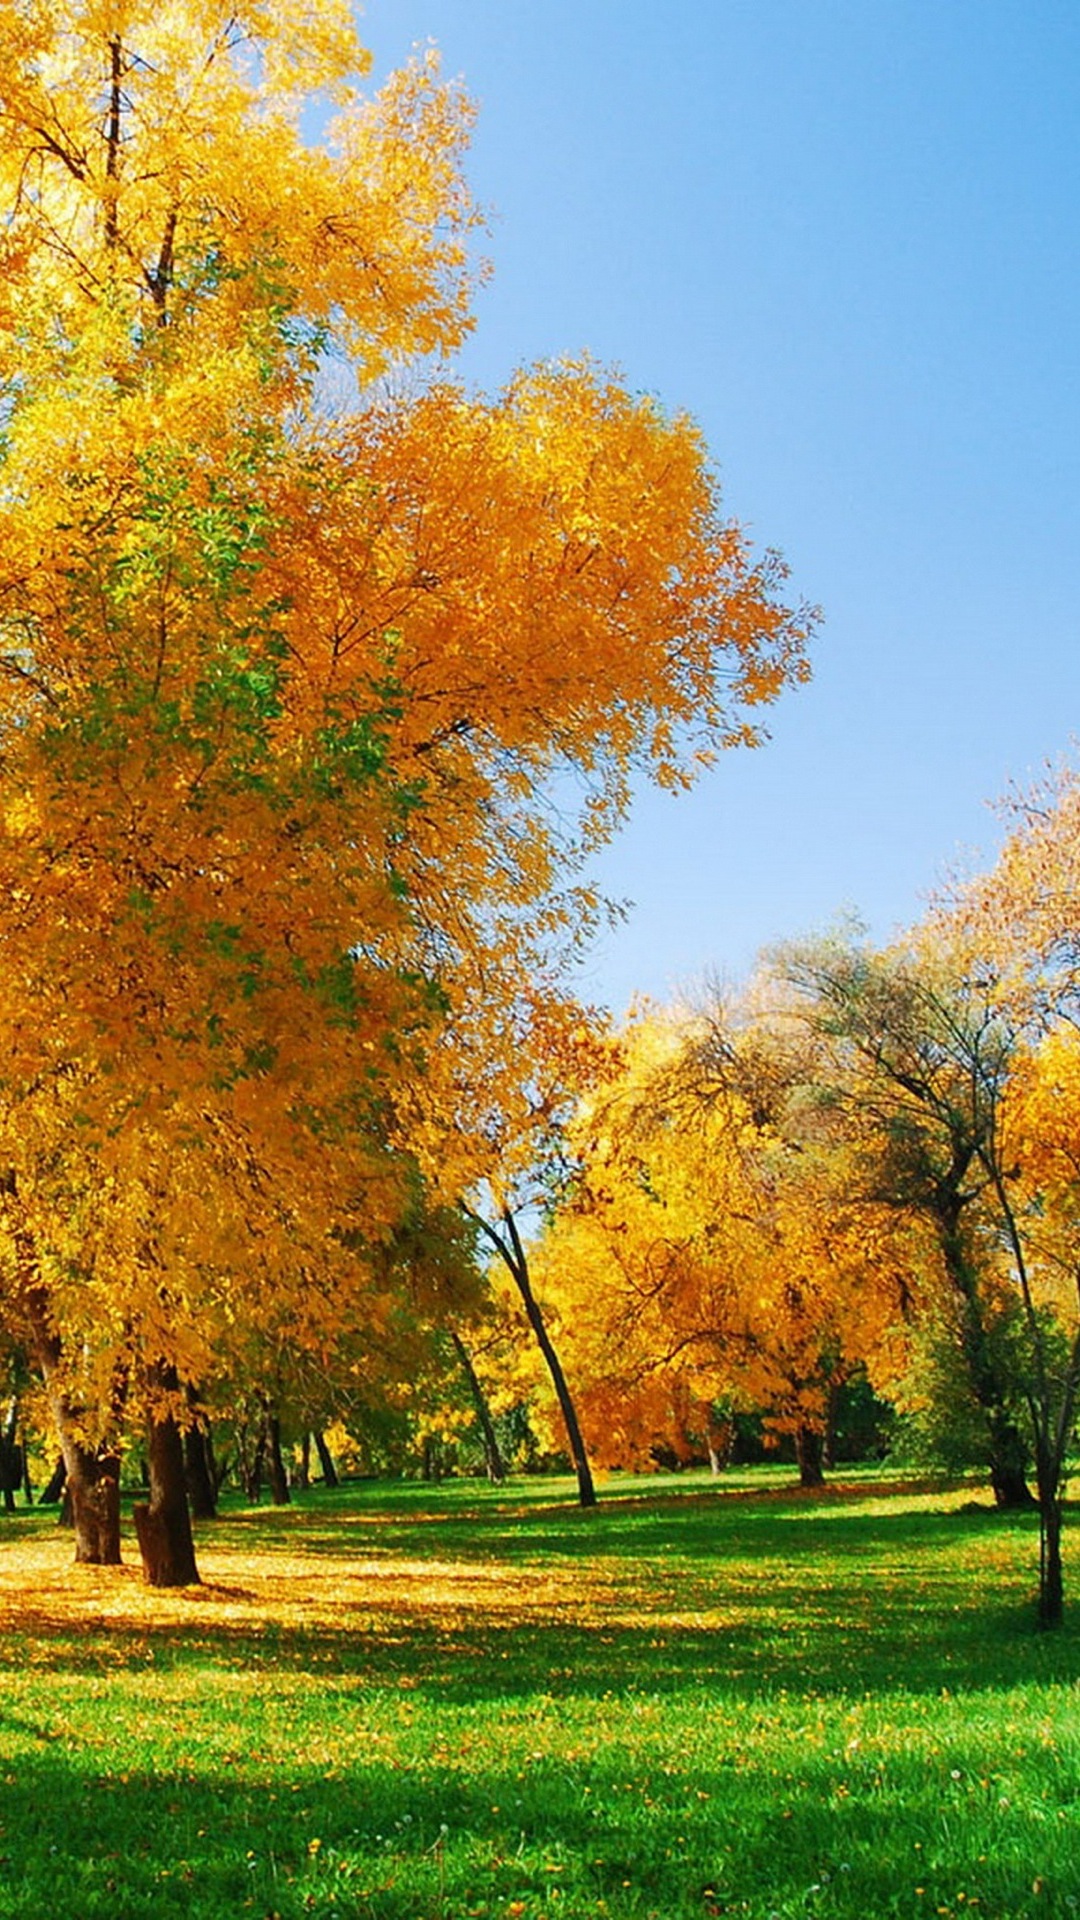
[(705, 1252), (282, 689)]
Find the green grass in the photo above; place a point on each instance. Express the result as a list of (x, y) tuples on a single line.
[(407, 1703)]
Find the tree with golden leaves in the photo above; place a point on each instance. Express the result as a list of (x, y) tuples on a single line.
[(708, 1250), (282, 688)]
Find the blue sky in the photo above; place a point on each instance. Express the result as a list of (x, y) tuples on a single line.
[(844, 235)]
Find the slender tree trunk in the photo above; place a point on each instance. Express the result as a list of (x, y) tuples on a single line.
[(163, 1524), (1007, 1459), (279, 1479), (493, 1460), (809, 1452), (828, 1438), (1051, 1582), (303, 1471), (329, 1471), (719, 1439), (513, 1256)]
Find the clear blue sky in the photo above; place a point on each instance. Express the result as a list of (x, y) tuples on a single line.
[(844, 235)]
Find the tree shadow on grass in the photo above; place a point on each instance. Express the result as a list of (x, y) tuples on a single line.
[(781, 1640), (379, 1842), (738, 1599)]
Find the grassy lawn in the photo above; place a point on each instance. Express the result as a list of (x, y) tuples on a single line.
[(411, 1703)]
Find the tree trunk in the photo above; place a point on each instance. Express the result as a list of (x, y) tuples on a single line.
[(329, 1471), (11, 1461), (809, 1452), (1051, 1584), (198, 1472), (163, 1525), (251, 1465), (513, 1255), (93, 1486), (279, 1479), (719, 1440), (1008, 1462), (1007, 1452), (54, 1485), (303, 1471), (493, 1460)]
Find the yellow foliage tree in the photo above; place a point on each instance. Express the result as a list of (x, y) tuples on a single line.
[(282, 688), (708, 1249)]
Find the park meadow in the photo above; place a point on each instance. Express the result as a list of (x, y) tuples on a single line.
[(396, 1701)]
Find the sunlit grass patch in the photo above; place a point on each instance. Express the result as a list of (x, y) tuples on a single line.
[(407, 1703)]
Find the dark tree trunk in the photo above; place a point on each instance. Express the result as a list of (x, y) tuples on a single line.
[(199, 1473), (11, 1459), (303, 1471), (54, 1485), (329, 1471), (493, 1460), (279, 1479), (93, 1488), (163, 1525), (1008, 1457), (429, 1460), (1008, 1463), (809, 1452), (512, 1254)]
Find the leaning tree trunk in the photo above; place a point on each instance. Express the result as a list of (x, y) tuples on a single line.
[(53, 1489), (514, 1259), (329, 1471), (493, 1460), (163, 1524)]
